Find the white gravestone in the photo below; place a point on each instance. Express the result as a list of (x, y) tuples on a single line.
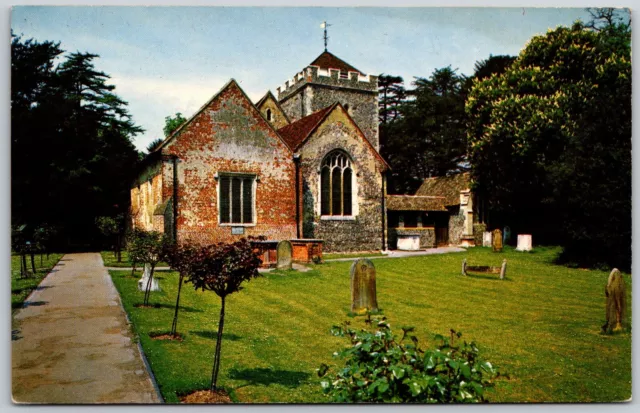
[(486, 239), (524, 242), (409, 242), (142, 282)]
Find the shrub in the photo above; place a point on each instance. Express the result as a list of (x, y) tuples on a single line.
[(380, 368)]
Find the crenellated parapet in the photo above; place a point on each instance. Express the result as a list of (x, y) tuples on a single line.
[(328, 77)]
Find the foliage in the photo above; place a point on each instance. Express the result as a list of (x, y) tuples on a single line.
[(542, 327), (22, 287), (155, 144), (222, 268), (71, 137), (171, 123), (427, 138), (550, 143), (380, 368), (148, 247)]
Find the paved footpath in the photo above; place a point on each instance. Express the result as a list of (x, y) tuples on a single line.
[(73, 343)]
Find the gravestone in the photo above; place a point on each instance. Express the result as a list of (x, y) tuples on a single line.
[(616, 302), (284, 255), (524, 242), (503, 270), (497, 240), (464, 267), (363, 286), (486, 239), (506, 237), (142, 282)]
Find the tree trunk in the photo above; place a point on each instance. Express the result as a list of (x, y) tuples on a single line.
[(23, 266), (118, 248), (174, 325), (41, 260), (147, 292), (33, 262), (133, 268), (216, 360)]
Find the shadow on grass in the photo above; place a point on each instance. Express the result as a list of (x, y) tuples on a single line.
[(487, 277), (214, 335), (170, 306), (266, 377), (28, 304)]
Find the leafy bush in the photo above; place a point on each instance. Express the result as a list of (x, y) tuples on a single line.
[(380, 368), (147, 247)]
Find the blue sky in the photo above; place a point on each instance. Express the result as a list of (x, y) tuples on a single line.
[(164, 60)]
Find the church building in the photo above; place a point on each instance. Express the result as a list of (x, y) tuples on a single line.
[(301, 164)]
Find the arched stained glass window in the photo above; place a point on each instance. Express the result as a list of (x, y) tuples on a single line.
[(336, 182)]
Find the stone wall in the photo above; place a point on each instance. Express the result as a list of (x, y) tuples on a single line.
[(278, 118), (315, 92), (456, 224), (363, 230), (230, 136), (146, 194)]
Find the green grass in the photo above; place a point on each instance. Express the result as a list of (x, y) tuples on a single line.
[(540, 326), (333, 256), (110, 260), (22, 287)]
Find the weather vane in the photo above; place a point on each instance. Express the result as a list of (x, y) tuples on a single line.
[(324, 25)]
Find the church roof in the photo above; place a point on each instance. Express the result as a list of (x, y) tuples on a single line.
[(297, 132), (328, 60), (448, 187), (415, 203)]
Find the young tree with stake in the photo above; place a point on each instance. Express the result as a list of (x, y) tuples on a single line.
[(182, 258), (222, 268)]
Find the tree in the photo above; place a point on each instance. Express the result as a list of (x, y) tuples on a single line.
[(155, 144), (182, 258), (148, 247), (429, 137), (492, 65), (71, 141), (222, 268), (550, 142), (171, 123), (605, 17), (112, 228)]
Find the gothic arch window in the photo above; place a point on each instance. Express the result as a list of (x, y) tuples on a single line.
[(336, 185), (269, 115)]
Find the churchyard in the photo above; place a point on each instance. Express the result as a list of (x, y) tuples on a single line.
[(540, 326), (22, 286)]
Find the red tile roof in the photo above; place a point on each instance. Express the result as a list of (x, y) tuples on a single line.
[(295, 133), (329, 61)]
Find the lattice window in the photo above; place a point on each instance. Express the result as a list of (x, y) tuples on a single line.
[(237, 203), (336, 185)]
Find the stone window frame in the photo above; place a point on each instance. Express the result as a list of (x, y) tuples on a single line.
[(354, 186), (254, 183)]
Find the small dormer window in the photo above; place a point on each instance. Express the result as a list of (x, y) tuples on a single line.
[(346, 107), (269, 118)]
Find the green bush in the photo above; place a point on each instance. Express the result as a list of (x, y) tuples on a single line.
[(380, 368)]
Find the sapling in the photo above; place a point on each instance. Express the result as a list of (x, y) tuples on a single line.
[(149, 247), (222, 268), (182, 258)]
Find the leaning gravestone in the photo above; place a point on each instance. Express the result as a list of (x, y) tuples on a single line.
[(142, 282), (616, 301), (503, 269), (363, 286), (284, 255), (497, 240)]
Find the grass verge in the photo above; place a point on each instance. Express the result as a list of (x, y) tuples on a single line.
[(22, 287), (540, 326), (333, 256), (110, 260)]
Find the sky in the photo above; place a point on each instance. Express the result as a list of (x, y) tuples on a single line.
[(164, 60)]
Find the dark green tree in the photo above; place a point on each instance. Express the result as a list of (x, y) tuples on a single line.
[(550, 142), (155, 144)]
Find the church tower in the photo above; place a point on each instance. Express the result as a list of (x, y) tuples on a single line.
[(327, 80)]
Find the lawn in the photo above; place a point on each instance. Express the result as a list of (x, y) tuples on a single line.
[(110, 260), (22, 287), (333, 256), (540, 326)]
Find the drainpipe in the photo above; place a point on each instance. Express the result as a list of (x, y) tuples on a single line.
[(175, 198), (296, 161), (384, 213)]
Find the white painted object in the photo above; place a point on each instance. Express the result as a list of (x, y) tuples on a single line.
[(486, 239), (142, 282), (409, 242), (524, 242)]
